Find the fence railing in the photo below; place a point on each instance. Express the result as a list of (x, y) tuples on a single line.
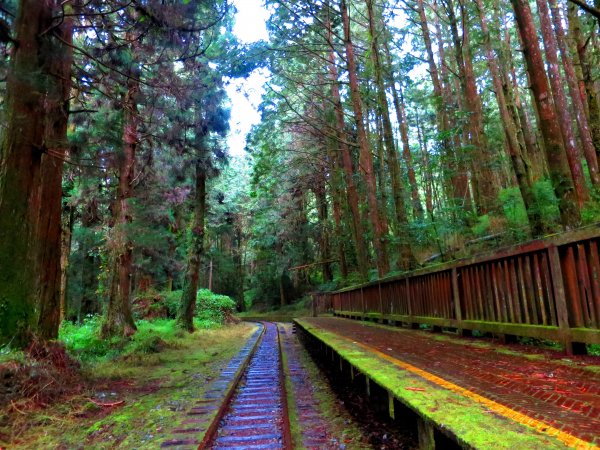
[(548, 288)]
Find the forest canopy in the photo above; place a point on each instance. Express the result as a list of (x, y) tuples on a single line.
[(393, 134)]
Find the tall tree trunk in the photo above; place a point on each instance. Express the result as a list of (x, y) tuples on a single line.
[(323, 215), (119, 319), (486, 193), (561, 105), (366, 159), (412, 179), (459, 195), (406, 258), (533, 155), (510, 129), (337, 192), (49, 223), (427, 174), (588, 81), (555, 154), (382, 167), (358, 233), (185, 313), (89, 266), (32, 91), (585, 133), (239, 264), (65, 254), (400, 108), (457, 162)]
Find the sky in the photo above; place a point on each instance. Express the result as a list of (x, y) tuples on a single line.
[(245, 94)]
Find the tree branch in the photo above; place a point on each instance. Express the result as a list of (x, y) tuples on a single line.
[(587, 8)]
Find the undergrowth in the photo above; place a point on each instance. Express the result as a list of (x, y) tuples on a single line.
[(83, 341), (149, 379)]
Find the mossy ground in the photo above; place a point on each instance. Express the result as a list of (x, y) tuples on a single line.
[(154, 385), (472, 423)]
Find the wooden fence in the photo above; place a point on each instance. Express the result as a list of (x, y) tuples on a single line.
[(549, 289)]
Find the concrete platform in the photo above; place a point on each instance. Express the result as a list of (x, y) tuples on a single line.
[(477, 394)]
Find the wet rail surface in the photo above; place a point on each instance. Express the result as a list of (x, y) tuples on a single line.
[(257, 416)]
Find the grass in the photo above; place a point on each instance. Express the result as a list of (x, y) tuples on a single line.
[(157, 375)]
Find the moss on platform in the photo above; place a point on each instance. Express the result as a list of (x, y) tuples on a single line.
[(471, 423)]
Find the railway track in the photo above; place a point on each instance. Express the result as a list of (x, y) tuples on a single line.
[(257, 416)]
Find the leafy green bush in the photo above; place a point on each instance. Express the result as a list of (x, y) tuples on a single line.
[(153, 336), (514, 208), (213, 307), (591, 211), (482, 225), (250, 298), (84, 342), (546, 204), (172, 299)]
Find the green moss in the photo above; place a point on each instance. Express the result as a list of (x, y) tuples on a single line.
[(472, 423), (292, 414)]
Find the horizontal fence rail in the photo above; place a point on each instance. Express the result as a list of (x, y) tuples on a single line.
[(548, 288)]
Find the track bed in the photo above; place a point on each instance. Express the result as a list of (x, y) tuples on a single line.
[(257, 416)]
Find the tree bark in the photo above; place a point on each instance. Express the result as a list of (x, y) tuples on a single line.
[(49, 223), (65, 254), (412, 179), (458, 194), (555, 154), (323, 215), (119, 319), (358, 233), (366, 159), (486, 193), (32, 91), (530, 148), (561, 105), (510, 129), (90, 265), (406, 258), (585, 133), (336, 191), (427, 174), (239, 264), (185, 313), (588, 81)]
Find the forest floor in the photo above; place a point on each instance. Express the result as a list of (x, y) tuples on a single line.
[(126, 402), (133, 400)]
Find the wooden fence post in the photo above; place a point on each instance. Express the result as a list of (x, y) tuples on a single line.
[(456, 295), (558, 287), (380, 301), (362, 301), (457, 308)]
